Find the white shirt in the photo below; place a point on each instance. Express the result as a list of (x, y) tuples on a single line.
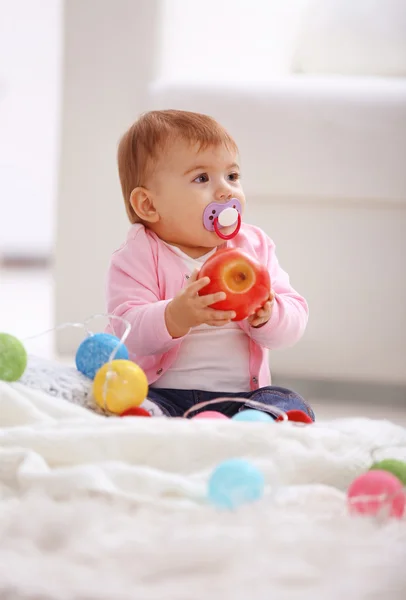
[(214, 359)]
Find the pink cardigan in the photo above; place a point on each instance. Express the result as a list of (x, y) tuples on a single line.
[(144, 275)]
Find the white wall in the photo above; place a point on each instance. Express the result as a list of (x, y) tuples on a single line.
[(328, 244), (109, 57), (30, 44), (228, 40)]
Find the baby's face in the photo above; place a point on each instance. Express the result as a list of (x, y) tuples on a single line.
[(183, 183)]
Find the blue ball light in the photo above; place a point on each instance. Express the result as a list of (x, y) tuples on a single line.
[(252, 415), (95, 351), (235, 482)]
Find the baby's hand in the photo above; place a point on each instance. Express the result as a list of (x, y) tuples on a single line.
[(188, 309), (262, 315)]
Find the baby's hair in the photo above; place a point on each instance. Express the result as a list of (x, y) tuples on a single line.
[(140, 146)]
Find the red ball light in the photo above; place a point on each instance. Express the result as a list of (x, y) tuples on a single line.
[(377, 492), (135, 411), (296, 416)]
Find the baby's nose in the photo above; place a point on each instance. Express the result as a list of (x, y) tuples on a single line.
[(223, 194)]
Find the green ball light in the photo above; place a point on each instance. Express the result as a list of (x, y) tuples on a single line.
[(13, 358), (391, 465)]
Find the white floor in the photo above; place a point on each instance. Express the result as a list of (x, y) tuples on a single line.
[(26, 309)]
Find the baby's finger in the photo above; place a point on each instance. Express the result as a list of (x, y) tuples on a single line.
[(218, 323), (262, 312), (212, 298), (193, 277), (256, 321), (195, 286), (219, 315)]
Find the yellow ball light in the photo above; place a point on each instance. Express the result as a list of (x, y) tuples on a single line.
[(120, 385)]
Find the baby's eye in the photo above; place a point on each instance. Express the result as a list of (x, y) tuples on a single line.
[(203, 178), (234, 176)]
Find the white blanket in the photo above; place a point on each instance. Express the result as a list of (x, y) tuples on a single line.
[(116, 508)]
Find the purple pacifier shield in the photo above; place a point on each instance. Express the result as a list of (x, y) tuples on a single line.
[(213, 210)]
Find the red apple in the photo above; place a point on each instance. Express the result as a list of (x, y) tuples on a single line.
[(244, 280)]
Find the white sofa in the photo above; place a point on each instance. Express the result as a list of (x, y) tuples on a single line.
[(324, 172)]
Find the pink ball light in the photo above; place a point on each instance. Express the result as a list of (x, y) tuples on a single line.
[(210, 414), (377, 492)]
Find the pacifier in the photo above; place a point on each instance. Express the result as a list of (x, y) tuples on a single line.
[(223, 214)]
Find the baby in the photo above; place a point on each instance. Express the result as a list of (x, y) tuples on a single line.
[(176, 168)]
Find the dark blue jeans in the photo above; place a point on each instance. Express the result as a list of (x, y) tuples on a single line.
[(174, 403)]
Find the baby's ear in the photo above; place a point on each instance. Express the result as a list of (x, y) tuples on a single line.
[(143, 205)]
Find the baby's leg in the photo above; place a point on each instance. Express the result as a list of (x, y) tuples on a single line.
[(281, 398), (171, 403)]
